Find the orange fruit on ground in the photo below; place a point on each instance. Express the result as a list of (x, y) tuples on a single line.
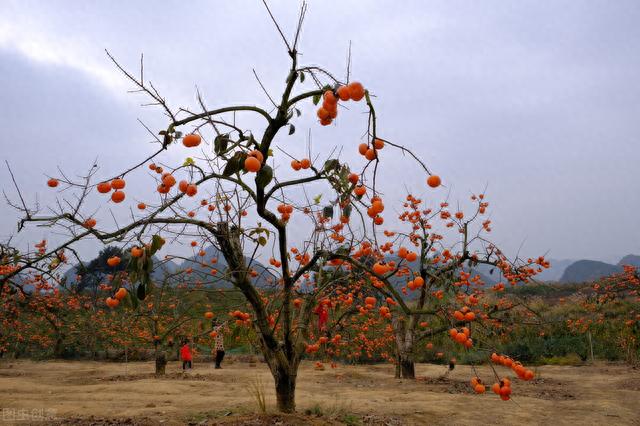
[(104, 187), (117, 196), (191, 140), (118, 183), (52, 183), (356, 91), (252, 164), (343, 93), (305, 163), (434, 181)]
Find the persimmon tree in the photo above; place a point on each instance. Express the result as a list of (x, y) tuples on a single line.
[(235, 192), (427, 280), (611, 309)]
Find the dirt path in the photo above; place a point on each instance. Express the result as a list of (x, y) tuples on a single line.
[(590, 395)]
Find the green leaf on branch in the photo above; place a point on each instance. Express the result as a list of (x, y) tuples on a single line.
[(331, 165), (316, 99), (264, 176), (235, 163), (292, 129), (343, 250), (188, 162), (156, 244), (327, 211), (317, 199), (301, 77), (220, 143), (262, 241)]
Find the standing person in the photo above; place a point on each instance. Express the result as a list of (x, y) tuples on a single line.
[(322, 310), (219, 342), (185, 355)]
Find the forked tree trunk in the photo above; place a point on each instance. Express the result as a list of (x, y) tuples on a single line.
[(282, 363), (405, 339), (407, 368)]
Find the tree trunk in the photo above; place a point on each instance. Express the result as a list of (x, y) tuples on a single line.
[(57, 349), (285, 390), (161, 363), (405, 339), (407, 368)]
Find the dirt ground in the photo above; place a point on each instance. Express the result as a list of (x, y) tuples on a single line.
[(101, 393)]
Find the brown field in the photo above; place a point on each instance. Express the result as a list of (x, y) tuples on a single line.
[(101, 393)]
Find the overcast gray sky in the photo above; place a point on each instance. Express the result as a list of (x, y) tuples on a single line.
[(539, 100)]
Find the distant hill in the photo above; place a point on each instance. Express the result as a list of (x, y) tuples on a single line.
[(203, 264), (167, 267), (587, 271), (555, 271), (630, 259)]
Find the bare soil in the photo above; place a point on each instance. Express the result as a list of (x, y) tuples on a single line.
[(103, 393)]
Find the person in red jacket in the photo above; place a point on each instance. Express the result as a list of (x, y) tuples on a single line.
[(322, 310), (185, 355)]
